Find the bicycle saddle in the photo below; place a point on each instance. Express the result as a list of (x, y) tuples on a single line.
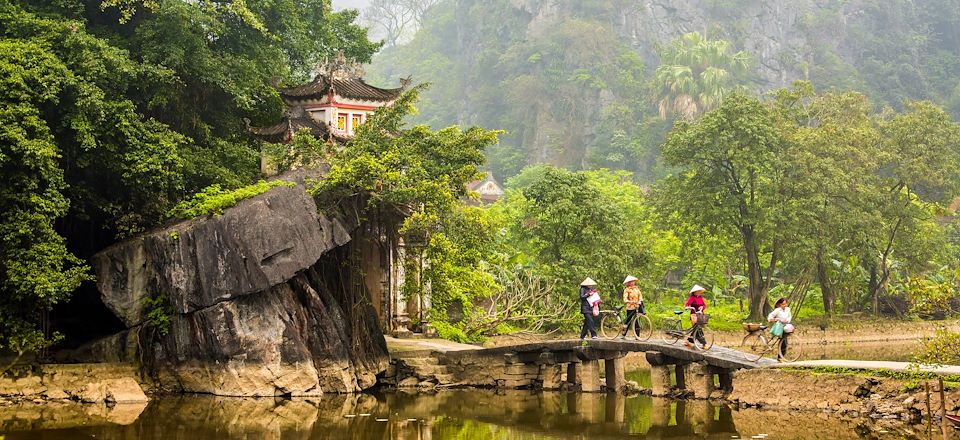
[(678, 312)]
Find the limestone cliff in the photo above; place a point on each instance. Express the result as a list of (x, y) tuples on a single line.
[(265, 300), (569, 81)]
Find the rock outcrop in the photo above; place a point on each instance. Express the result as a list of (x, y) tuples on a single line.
[(260, 243), (263, 300), (88, 383)]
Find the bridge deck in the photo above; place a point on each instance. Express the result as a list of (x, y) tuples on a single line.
[(717, 356)]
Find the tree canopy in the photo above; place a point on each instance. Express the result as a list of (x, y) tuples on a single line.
[(113, 111)]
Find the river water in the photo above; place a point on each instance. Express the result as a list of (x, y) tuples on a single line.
[(455, 414)]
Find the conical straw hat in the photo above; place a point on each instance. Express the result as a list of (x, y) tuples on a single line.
[(629, 278), (697, 288), (588, 282)]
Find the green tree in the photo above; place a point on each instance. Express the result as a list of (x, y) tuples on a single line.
[(570, 225), (695, 74), (733, 181), (113, 110), (411, 182), (916, 178), (833, 155)]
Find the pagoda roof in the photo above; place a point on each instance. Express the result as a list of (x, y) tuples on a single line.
[(353, 88), (284, 131)]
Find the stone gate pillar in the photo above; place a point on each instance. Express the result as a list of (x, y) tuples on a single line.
[(699, 379), (660, 380), (552, 375), (613, 371), (726, 380), (589, 376), (679, 373), (573, 370)]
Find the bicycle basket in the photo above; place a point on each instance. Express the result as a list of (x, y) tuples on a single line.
[(703, 319), (751, 326)]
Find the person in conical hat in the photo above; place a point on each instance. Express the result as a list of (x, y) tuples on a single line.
[(696, 304), (588, 288), (633, 298)]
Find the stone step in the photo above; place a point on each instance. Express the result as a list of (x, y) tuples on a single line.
[(420, 362)]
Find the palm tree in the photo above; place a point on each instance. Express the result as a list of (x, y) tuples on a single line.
[(695, 74)]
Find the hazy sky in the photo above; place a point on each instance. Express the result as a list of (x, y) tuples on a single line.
[(349, 4)]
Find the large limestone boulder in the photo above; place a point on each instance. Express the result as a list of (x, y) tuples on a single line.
[(267, 300), (290, 340), (261, 242)]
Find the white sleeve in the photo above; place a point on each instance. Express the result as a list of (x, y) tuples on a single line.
[(772, 314)]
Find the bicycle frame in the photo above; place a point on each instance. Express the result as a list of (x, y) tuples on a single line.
[(768, 342), (681, 332), (672, 330)]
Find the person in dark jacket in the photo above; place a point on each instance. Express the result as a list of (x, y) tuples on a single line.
[(587, 288)]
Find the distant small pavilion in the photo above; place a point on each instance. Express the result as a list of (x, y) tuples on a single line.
[(488, 189), (331, 106)]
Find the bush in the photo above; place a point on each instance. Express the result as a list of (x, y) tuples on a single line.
[(943, 348), (213, 199), (447, 331)]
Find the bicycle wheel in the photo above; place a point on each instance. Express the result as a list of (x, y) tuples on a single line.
[(610, 326), (703, 338), (644, 328), (753, 346), (794, 349), (669, 331)]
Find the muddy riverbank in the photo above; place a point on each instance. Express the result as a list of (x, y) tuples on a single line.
[(877, 394)]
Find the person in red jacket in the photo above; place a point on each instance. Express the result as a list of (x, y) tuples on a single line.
[(697, 305)]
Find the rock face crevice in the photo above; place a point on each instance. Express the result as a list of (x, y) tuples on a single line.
[(266, 300)]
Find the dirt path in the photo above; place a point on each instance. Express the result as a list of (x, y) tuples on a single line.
[(395, 345)]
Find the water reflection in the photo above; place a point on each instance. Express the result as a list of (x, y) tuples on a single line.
[(461, 414)]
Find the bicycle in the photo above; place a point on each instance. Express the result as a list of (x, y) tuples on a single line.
[(672, 331), (612, 325), (755, 344)]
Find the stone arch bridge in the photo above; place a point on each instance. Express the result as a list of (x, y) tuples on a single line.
[(571, 364)]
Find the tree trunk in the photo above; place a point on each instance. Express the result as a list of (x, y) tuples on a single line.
[(874, 287), (756, 291), (829, 296)]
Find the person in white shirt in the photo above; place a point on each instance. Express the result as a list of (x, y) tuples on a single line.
[(781, 313)]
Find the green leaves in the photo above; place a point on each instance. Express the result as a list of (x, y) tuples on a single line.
[(943, 348), (213, 199), (695, 74), (412, 180), (112, 110), (36, 269), (809, 178), (402, 168), (569, 225)]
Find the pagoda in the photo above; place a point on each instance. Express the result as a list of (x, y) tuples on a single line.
[(331, 106)]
